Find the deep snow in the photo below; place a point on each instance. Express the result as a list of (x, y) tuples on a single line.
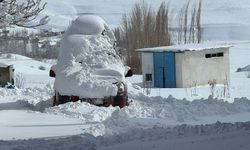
[(189, 119), (155, 121)]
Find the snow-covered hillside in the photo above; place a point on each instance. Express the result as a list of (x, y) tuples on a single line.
[(26, 68), (221, 20)]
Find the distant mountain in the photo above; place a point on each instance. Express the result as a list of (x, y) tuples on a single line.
[(221, 20)]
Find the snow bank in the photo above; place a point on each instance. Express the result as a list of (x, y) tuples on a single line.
[(183, 111), (36, 99), (88, 64), (194, 137), (145, 112), (246, 68)]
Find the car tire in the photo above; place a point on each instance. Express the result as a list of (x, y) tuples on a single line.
[(60, 99)]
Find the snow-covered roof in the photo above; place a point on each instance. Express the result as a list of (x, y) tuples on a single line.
[(3, 65), (185, 47)]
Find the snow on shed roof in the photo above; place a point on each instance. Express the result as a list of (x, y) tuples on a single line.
[(185, 47), (3, 65)]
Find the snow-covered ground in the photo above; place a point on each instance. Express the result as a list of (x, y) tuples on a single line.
[(167, 118), (183, 118)]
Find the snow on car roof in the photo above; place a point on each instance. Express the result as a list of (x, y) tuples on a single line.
[(186, 47), (87, 25)]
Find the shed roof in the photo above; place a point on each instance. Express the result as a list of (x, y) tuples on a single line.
[(3, 65), (185, 47)]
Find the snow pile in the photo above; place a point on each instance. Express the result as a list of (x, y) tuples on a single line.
[(246, 68), (87, 25), (145, 112), (167, 133), (183, 111), (194, 137), (87, 60), (36, 99)]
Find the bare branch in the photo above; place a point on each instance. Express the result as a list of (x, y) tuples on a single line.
[(21, 14)]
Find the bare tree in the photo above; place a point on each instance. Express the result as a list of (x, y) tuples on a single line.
[(189, 32), (180, 28), (162, 26), (21, 13), (144, 27), (132, 32), (185, 25), (198, 23), (148, 26), (192, 27)]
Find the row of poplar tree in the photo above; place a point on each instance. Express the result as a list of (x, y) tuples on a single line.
[(146, 27)]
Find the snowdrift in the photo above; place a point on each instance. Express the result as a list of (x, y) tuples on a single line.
[(215, 136)]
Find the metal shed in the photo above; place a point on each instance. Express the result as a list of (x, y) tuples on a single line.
[(185, 65)]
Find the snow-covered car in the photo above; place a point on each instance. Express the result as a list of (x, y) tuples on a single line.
[(88, 67)]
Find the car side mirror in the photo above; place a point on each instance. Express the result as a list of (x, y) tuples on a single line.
[(129, 73), (52, 74)]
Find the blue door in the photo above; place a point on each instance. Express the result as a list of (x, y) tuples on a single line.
[(164, 69)]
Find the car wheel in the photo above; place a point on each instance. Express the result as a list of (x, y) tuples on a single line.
[(60, 99), (54, 100)]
